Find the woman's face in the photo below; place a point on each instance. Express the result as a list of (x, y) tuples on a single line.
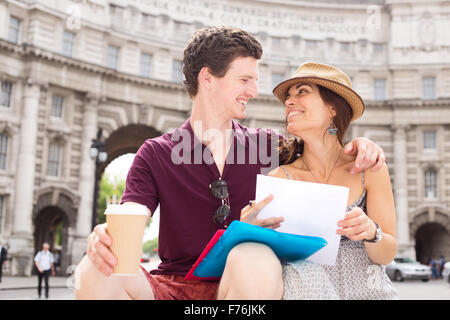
[(306, 111)]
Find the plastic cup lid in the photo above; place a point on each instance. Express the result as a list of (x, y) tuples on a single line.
[(131, 209)]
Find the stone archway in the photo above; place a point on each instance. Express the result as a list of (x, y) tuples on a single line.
[(54, 216), (51, 226), (431, 232), (127, 139), (432, 241)]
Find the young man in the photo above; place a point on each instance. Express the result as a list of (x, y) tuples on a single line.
[(3, 255), (44, 262), (198, 191)]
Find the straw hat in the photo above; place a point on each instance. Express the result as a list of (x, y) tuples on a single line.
[(327, 76)]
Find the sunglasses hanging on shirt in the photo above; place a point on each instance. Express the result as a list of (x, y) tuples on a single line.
[(219, 189)]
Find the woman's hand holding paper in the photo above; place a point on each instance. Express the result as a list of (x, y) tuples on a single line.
[(357, 225), (249, 214)]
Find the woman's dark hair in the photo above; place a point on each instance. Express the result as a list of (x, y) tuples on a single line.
[(216, 48), (291, 149)]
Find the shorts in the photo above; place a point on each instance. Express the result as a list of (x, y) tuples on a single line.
[(174, 287)]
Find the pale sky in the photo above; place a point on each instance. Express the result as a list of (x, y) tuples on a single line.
[(119, 168)]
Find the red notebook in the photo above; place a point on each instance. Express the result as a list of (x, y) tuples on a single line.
[(209, 246)]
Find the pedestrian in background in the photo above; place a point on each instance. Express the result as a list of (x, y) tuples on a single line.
[(434, 268), (44, 262), (441, 266), (3, 254)]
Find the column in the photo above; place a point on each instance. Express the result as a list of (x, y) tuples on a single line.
[(401, 189), (86, 184), (21, 242)]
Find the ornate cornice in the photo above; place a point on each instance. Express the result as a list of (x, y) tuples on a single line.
[(33, 52), (418, 102)]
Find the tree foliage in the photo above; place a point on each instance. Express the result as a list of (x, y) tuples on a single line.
[(111, 190), (150, 247)]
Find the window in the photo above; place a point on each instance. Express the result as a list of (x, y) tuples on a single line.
[(362, 44), (310, 45), (430, 184), (378, 48), (429, 140), (177, 71), (2, 205), (3, 150), (276, 79), (68, 39), (113, 55), (14, 29), (145, 65), (116, 11), (54, 159), (57, 106), (345, 47), (278, 43), (379, 89), (5, 95), (429, 88), (296, 40)]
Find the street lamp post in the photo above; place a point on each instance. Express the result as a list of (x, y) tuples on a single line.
[(97, 152)]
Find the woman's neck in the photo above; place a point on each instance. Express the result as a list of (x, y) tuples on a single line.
[(320, 155)]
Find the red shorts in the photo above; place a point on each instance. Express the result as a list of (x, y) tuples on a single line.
[(174, 287)]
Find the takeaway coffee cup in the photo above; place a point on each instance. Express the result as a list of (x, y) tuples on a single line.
[(126, 224)]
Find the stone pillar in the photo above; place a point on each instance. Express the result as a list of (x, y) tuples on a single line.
[(21, 242), (401, 191), (86, 185)]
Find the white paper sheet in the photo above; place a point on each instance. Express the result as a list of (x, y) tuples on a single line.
[(310, 209)]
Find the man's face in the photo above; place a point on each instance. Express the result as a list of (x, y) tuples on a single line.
[(237, 87)]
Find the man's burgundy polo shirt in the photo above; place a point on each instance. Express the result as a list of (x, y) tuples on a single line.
[(174, 170)]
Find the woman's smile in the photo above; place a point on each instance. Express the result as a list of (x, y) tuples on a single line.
[(293, 114)]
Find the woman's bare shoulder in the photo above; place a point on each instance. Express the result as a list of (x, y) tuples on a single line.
[(277, 172), (380, 177)]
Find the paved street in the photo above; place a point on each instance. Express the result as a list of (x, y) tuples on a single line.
[(418, 290), (408, 290), (31, 294), (23, 288)]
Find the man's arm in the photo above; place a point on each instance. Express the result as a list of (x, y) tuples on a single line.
[(4, 255), (36, 263), (93, 276), (91, 284), (368, 155)]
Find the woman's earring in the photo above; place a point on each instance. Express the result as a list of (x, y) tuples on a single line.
[(332, 129)]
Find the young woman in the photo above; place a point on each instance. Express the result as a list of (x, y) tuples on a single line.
[(320, 104)]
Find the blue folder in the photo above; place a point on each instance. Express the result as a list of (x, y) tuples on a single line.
[(287, 247)]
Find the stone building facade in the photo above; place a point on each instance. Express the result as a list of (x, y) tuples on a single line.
[(68, 68)]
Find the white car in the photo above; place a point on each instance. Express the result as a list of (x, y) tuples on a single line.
[(446, 272), (405, 268)]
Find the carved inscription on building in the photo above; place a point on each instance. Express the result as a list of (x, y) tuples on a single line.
[(275, 20)]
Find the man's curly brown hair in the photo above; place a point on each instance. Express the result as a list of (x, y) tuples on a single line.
[(216, 48)]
